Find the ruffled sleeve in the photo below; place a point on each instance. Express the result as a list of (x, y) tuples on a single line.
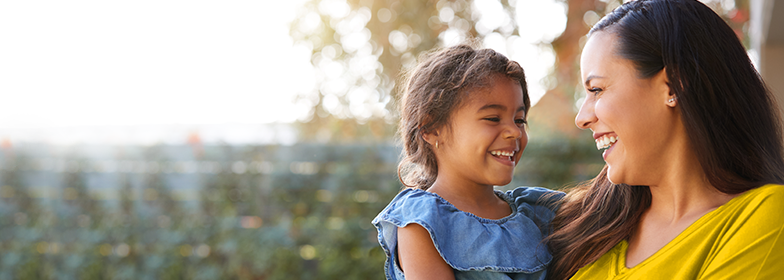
[(469, 243), (538, 204)]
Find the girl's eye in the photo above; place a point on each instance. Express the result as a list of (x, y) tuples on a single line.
[(595, 90), (521, 122), (493, 119)]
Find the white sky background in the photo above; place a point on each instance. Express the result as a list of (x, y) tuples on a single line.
[(93, 66), (76, 63)]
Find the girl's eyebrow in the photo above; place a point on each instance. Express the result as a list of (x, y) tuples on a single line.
[(499, 107)]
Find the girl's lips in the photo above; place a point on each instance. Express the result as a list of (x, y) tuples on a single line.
[(504, 160)]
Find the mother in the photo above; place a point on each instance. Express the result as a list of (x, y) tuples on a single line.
[(693, 151)]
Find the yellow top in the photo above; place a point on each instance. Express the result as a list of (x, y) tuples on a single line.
[(741, 239)]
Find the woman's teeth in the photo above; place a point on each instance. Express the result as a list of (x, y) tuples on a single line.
[(605, 142)]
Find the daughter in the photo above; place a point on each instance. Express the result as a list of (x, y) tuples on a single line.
[(463, 130)]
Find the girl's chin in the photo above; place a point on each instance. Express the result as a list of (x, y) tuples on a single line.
[(502, 182)]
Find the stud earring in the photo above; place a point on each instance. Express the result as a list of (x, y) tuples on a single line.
[(436, 144), (672, 99)]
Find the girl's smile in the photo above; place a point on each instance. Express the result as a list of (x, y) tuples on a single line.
[(505, 156), (485, 138)]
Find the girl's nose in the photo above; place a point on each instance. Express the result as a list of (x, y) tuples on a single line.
[(586, 117), (514, 131)]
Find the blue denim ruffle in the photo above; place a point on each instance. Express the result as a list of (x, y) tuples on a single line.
[(477, 248)]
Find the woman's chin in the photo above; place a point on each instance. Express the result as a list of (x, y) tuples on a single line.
[(612, 177)]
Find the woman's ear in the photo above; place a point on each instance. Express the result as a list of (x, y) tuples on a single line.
[(661, 84)]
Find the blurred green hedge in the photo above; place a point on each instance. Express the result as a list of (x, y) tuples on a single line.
[(216, 212)]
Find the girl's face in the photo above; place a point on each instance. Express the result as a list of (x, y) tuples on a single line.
[(486, 137), (631, 117)]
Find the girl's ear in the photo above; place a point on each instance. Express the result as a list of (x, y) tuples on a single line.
[(431, 137)]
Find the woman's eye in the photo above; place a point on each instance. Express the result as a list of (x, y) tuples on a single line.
[(595, 90)]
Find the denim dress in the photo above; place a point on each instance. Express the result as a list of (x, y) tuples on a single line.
[(475, 247)]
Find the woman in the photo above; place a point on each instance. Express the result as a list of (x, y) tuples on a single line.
[(693, 151)]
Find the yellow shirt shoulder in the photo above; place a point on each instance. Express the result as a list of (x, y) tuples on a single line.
[(741, 239)]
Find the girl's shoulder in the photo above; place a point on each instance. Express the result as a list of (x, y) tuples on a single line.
[(537, 196), (412, 204), (415, 204), (512, 244), (537, 203)]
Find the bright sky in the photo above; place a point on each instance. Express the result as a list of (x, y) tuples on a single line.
[(106, 64), (76, 63)]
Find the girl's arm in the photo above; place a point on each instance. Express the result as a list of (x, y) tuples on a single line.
[(418, 257)]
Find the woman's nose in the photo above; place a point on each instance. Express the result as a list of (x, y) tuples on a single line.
[(586, 117)]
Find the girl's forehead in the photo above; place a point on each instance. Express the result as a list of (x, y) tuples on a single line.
[(492, 94)]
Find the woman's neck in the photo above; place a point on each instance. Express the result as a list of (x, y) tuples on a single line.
[(680, 194), (684, 190)]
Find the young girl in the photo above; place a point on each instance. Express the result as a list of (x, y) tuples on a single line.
[(463, 131)]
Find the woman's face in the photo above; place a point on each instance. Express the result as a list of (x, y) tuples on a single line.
[(630, 117)]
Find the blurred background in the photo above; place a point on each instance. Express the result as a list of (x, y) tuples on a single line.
[(256, 139)]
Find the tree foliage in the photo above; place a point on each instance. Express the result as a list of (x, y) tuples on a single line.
[(362, 48), (359, 50)]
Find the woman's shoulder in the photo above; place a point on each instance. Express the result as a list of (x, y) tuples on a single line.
[(761, 202), (770, 190), (767, 197)]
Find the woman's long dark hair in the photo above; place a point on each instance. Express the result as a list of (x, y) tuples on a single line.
[(731, 120)]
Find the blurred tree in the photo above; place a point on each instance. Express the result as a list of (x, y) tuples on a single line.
[(555, 111), (360, 48)]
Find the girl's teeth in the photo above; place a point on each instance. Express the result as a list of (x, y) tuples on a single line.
[(502, 153)]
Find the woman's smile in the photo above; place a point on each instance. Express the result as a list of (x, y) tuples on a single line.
[(606, 142), (622, 107)]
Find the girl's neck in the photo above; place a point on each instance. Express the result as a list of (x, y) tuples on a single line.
[(476, 199)]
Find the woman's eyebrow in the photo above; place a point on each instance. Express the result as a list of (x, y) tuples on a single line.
[(591, 77)]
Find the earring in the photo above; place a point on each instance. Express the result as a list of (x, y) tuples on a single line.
[(436, 144), (672, 99)]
